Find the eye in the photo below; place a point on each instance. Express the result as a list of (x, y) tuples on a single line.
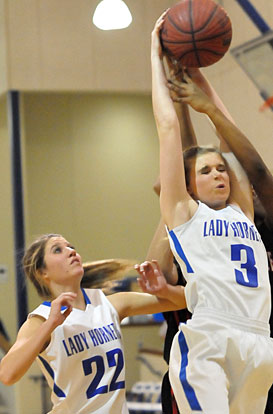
[(221, 168), (57, 249), (205, 171)]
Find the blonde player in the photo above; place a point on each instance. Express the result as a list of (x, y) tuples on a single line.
[(75, 333)]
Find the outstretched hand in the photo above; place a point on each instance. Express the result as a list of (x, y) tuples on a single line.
[(152, 280), (156, 44), (188, 92)]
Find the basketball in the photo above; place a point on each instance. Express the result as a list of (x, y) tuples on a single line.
[(196, 33)]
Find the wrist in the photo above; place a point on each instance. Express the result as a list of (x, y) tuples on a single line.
[(49, 325), (211, 109)]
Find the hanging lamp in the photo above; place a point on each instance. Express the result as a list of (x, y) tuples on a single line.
[(112, 15)]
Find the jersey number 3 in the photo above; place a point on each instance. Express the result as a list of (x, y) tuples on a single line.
[(245, 255), (114, 359)]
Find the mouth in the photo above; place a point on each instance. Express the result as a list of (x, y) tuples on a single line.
[(221, 186), (75, 261)]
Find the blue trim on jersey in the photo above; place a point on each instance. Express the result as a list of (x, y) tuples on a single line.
[(47, 303), (180, 251), (86, 298), (189, 391), (56, 389)]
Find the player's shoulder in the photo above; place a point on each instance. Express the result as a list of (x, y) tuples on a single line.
[(30, 326), (43, 310)]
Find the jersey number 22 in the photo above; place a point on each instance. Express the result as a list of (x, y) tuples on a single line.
[(114, 359)]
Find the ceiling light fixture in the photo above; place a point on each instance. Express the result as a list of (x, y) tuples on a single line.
[(112, 15)]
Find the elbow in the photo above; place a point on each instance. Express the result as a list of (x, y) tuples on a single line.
[(6, 380), (7, 377), (8, 383), (259, 167), (167, 120), (259, 171), (261, 179), (169, 124)]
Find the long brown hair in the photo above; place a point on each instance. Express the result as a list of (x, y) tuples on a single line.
[(98, 273), (34, 263)]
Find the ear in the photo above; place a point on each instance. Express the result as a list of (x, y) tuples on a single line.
[(43, 276)]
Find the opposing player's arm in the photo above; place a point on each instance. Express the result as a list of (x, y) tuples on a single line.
[(240, 186), (250, 160), (258, 173), (241, 192), (200, 80), (199, 99)]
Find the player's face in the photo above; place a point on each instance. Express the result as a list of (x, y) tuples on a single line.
[(209, 180), (62, 263)]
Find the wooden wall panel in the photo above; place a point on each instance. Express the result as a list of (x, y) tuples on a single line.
[(3, 49), (53, 44)]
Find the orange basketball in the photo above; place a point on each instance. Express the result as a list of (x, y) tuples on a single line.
[(196, 33)]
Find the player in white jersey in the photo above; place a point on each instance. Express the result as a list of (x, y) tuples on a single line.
[(222, 360), (75, 333), (228, 241), (81, 347)]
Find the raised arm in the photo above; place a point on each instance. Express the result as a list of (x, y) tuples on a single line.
[(199, 79), (159, 248), (176, 204), (238, 174), (199, 100), (254, 166), (237, 163), (187, 134)]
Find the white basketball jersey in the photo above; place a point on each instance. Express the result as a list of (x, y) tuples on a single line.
[(84, 362), (224, 262)]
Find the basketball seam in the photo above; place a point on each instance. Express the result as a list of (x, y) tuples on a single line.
[(198, 40), (192, 34), (192, 29), (209, 18), (213, 52), (204, 26)]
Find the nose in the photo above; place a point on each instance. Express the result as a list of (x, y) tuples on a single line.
[(216, 173), (72, 251)]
